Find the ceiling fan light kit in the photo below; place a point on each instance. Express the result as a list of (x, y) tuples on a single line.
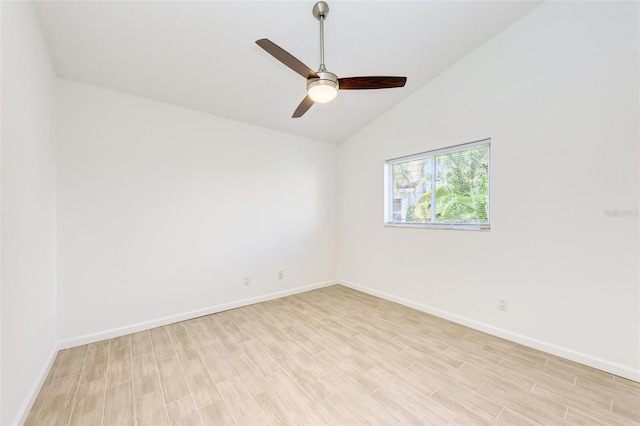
[(323, 86)]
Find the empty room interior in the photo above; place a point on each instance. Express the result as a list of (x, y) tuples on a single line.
[(193, 234)]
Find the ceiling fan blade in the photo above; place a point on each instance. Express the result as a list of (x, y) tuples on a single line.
[(304, 106), (286, 58), (364, 83)]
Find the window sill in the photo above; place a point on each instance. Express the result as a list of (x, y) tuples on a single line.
[(456, 227)]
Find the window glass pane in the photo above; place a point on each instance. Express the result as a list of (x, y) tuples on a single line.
[(462, 186), (412, 182), (444, 188)]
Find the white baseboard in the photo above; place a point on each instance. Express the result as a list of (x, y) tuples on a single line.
[(35, 389), (570, 354), (146, 325)]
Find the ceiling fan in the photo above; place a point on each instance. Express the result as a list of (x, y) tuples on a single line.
[(322, 85)]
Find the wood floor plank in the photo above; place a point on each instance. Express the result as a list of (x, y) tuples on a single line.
[(549, 405), (539, 375), (511, 417), (420, 343), (340, 327), (516, 353), (119, 407), (587, 417), (462, 420), (89, 405), (445, 376), (182, 343), (162, 346), (119, 362), (210, 321), (242, 406), (373, 323), (276, 409), (199, 335), (95, 366), (304, 378), (70, 361), (151, 410), (121, 341), (401, 360), (377, 341), (463, 408), (300, 402), (635, 386), (270, 346), (56, 409), (401, 377), (310, 362), (233, 331), (483, 376), (174, 384), (217, 413), (141, 343), (474, 356), (271, 330), (411, 405), (223, 340), (145, 375), (458, 388), (484, 339), (523, 380), (629, 410), (251, 376), (303, 340), (440, 360), (339, 342), (216, 364), (475, 399), (623, 394), (262, 360), (342, 412), (184, 412), (203, 389), (347, 359), (524, 408), (244, 322), (560, 365), (567, 394), (363, 404)]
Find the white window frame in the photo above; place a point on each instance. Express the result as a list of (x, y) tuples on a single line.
[(388, 192)]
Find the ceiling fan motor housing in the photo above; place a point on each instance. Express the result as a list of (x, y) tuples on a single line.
[(324, 88), (320, 9)]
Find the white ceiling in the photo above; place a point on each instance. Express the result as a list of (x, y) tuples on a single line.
[(201, 54)]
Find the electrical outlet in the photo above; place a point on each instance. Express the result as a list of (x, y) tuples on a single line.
[(247, 281), (502, 303), (280, 275)]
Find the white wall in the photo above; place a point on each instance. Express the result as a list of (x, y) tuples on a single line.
[(28, 212), (558, 94), (163, 211)]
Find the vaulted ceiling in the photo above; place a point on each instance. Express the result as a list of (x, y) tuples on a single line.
[(202, 54)]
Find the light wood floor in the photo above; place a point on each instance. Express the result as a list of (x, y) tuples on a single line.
[(329, 356)]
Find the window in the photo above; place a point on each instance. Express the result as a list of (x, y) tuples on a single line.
[(445, 188)]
